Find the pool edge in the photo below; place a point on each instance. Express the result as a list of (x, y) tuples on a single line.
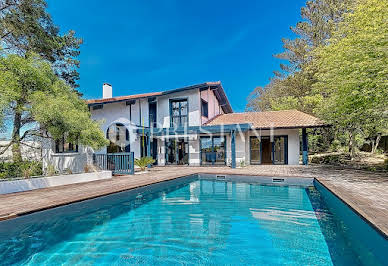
[(355, 209)]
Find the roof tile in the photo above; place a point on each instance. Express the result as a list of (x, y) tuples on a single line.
[(271, 119)]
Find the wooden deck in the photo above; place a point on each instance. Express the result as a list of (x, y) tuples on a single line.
[(365, 192)]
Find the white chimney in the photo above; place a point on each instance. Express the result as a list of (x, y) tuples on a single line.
[(106, 91)]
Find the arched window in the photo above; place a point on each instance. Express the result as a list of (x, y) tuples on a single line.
[(118, 135)]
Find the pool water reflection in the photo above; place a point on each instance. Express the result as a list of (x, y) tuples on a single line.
[(192, 221)]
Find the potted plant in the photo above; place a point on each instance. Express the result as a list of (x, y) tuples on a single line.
[(143, 162)]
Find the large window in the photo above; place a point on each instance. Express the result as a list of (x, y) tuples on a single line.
[(63, 146), (280, 150), (204, 108), (179, 113), (255, 150), (118, 135), (213, 150)]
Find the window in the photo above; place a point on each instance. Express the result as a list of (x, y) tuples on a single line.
[(97, 107), (61, 146), (255, 150), (179, 113), (213, 150), (118, 135), (204, 108)]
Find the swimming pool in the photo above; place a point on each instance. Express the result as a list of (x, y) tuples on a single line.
[(198, 220)]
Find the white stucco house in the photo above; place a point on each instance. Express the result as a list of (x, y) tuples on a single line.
[(194, 126)]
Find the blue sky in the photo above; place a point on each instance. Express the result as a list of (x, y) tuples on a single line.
[(144, 46)]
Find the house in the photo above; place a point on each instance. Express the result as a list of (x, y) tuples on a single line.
[(194, 126)]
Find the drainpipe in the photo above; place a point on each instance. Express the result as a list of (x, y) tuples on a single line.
[(149, 147), (233, 147), (305, 147)]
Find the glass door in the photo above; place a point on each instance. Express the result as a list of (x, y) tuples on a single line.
[(183, 152), (280, 150), (219, 150), (213, 150), (255, 150), (171, 151), (177, 151), (206, 151)]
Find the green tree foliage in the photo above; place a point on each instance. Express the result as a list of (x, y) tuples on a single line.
[(353, 70), (38, 78), (26, 27), (42, 104), (291, 88)]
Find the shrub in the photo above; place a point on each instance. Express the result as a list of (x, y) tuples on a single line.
[(24, 169), (90, 168), (50, 171), (143, 162)]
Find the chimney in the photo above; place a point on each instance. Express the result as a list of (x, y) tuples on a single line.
[(106, 91)]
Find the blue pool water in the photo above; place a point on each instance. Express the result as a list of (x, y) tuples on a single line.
[(195, 222)]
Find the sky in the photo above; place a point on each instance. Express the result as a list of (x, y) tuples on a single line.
[(141, 46)]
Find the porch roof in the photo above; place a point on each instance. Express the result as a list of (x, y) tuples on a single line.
[(272, 119), (195, 130)]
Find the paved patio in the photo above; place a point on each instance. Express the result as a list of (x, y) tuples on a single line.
[(365, 192)]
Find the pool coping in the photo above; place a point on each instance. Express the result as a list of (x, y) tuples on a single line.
[(358, 211), (340, 193)]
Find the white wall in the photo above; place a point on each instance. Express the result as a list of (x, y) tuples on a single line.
[(241, 155), (213, 105), (194, 152), (120, 113), (75, 161), (52, 181), (28, 152)]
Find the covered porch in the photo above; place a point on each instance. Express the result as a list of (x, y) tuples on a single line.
[(195, 146)]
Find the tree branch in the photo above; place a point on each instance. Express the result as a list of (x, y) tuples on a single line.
[(6, 147)]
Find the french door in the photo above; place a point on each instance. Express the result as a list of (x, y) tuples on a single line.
[(177, 151), (213, 150), (263, 151)]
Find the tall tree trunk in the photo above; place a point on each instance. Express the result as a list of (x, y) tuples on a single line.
[(376, 143), (16, 150), (352, 144)]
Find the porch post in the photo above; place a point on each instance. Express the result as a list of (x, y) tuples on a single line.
[(233, 147), (149, 147), (305, 147)]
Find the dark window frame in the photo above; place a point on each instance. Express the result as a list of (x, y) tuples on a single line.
[(180, 116), (212, 147), (98, 107), (60, 143), (204, 112)]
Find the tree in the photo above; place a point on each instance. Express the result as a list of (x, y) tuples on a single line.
[(42, 105), (291, 88), (26, 27), (353, 70)]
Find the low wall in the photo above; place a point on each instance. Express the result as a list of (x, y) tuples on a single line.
[(52, 181)]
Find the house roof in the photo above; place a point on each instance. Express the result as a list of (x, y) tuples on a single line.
[(267, 120), (215, 86)]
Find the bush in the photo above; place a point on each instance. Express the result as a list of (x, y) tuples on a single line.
[(333, 159), (24, 169), (143, 162)]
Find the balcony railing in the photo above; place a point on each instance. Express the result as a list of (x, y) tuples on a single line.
[(122, 163)]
